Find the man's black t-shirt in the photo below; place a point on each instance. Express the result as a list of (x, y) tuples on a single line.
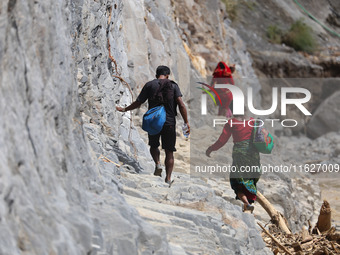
[(148, 92)]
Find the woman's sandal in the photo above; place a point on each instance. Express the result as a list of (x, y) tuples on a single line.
[(249, 207)]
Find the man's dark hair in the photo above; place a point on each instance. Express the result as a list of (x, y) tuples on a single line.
[(162, 70)]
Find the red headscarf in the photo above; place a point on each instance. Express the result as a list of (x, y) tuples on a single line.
[(223, 71), (222, 75)]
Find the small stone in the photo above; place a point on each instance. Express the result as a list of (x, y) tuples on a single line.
[(218, 193), (83, 79), (337, 150)]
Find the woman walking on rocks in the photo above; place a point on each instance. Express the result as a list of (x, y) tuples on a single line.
[(245, 156)]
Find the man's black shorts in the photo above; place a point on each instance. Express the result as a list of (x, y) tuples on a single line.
[(168, 137)]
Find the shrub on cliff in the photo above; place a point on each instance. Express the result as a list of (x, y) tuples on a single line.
[(300, 37), (274, 34), (231, 8)]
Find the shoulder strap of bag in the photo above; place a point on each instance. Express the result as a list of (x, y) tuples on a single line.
[(159, 95)]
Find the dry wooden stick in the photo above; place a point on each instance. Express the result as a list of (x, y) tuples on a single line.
[(318, 231), (305, 236), (325, 217), (273, 213), (330, 231), (334, 248), (275, 240)]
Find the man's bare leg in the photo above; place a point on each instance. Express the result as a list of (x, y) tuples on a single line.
[(169, 164), (155, 153)]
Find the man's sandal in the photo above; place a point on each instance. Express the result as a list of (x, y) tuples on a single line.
[(158, 170), (170, 183)]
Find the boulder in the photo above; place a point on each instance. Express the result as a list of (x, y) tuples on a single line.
[(326, 118)]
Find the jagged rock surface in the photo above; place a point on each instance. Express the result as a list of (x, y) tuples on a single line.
[(48, 180), (196, 217), (326, 118), (280, 61)]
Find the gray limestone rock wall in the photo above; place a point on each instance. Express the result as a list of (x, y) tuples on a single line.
[(44, 158), (51, 191)]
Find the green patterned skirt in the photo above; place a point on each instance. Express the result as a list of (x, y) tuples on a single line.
[(246, 161)]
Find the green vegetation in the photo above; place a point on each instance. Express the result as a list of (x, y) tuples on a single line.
[(231, 8), (274, 34), (299, 36), (251, 5)]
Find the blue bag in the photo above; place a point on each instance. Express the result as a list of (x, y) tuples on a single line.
[(154, 119)]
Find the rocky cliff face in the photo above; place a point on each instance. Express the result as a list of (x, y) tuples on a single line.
[(45, 163), (277, 60), (55, 69), (68, 182)]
